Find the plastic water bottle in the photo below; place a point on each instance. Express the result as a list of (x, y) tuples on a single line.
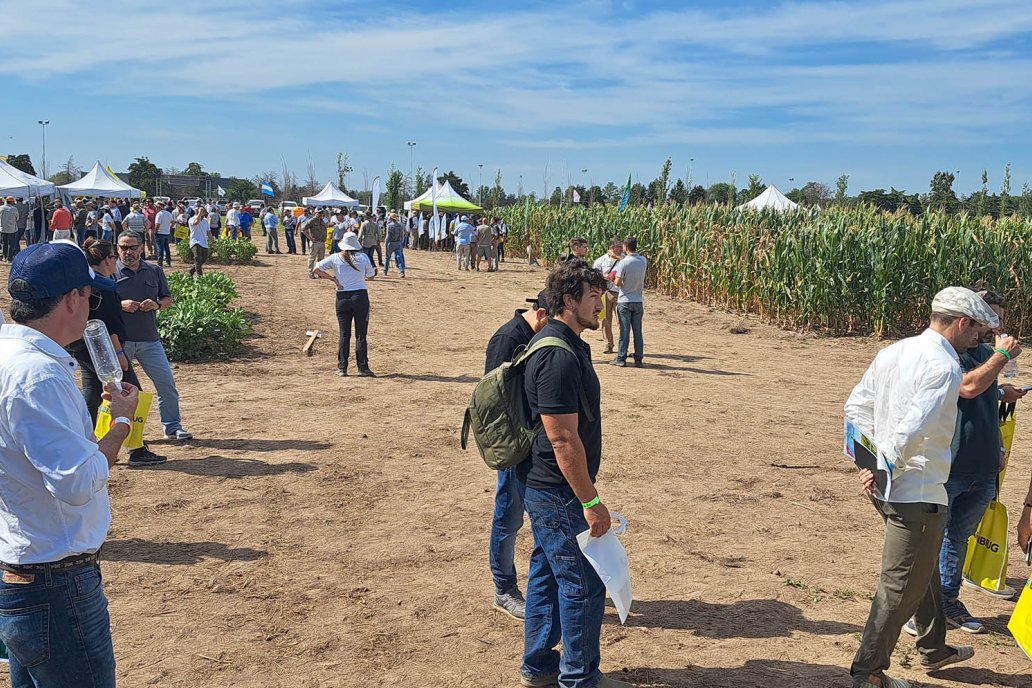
[(1010, 369), (102, 352)]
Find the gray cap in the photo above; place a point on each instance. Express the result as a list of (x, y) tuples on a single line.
[(964, 303)]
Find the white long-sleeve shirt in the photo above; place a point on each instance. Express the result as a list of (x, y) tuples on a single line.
[(53, 476), (907, 401)]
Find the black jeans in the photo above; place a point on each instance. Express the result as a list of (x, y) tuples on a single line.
[(91, 384), (353, 305), (200, 255), (9, 245)]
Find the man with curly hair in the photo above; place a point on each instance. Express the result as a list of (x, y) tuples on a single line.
[(565, 597)]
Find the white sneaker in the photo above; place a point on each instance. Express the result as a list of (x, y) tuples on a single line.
[(179, 434)]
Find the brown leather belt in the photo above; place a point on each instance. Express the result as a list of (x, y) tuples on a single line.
[(73, 562)]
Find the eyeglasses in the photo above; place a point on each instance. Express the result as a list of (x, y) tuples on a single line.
[(95, 300), (134, 247)]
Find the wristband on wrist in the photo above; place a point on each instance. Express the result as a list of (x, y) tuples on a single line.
[(593, 502), (122, 419), (1002, 352), (1028, 506), (119, 352)]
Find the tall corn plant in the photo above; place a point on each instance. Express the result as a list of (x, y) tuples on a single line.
[(842, 271)]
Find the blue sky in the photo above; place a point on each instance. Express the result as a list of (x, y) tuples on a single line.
[(887, 92)]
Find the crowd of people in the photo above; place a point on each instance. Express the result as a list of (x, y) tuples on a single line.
[(931, 404)]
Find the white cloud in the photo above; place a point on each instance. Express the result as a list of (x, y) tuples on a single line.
[(543, 77)]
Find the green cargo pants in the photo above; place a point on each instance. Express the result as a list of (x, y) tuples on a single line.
[(909, 587)]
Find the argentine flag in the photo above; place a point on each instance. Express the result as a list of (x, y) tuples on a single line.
[(267, 189)]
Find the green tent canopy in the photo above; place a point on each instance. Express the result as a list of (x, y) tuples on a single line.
[(448, 201)]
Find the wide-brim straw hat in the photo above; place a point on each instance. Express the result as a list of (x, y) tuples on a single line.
[(349, 242)]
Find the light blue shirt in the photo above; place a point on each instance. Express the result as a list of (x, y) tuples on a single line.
[(53, 476), (270, 221), (464, 234), (631, 269)]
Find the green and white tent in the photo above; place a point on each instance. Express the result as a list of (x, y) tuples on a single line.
[(448, 201)]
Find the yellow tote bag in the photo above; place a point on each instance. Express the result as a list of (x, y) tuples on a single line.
[(1020, 624), (135, 438)]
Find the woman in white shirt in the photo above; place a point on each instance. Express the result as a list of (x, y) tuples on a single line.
[(200, 233), (349, 270)]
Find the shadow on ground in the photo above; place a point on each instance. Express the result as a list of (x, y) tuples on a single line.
[(744, 619), (260, 445), (463, 379), (228, 467), (755, 673), (177, 553)]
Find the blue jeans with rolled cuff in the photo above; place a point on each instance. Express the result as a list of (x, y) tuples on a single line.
[(508, 519)]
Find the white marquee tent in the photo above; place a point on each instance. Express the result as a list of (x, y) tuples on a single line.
[(98, 182), (330, 195), (770, 199), (14, 182)]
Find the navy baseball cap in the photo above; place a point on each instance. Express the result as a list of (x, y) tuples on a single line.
[(52, 269)]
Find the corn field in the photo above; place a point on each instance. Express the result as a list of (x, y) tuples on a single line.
[(839, 271)]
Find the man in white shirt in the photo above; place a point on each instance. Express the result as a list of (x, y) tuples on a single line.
[(233, 221), (907, 402), (54, 508)]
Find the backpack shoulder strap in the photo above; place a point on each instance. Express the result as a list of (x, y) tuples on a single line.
[(545, 342)]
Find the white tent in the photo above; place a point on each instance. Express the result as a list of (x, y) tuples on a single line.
[(770, 199), (98, 182), (330, 195), (14, 182)]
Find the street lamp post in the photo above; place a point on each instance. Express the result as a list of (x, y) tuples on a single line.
[(44, 123), (480, 186), (691, 165), (411, 145)]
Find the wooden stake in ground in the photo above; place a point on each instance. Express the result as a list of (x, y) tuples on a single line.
[(312, 336)]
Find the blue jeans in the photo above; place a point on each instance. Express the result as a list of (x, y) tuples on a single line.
[(291, 244), (232, 230), (154, 362), (161, 248), (57, 631), (565, 597), (968, 500), (395, 249), (107, 235), (508, 519), (629, 315)]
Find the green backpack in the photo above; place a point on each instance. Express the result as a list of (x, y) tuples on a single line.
[(496, 412)]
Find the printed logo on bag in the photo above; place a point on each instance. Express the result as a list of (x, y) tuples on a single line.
[(988, 544)]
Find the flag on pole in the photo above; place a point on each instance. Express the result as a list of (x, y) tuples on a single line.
[(220, 191), (376, 193), (576, 196), (626, 194), (266, 189), (435, 223)]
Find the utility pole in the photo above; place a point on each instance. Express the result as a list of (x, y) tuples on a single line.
[(480, 186), (411, 145), (44, 123)]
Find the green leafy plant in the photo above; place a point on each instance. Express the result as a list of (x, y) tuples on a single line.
[(199, 324), (224, 251)]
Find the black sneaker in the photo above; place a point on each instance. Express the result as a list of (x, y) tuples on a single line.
[(639, 364), (342, 373), (143, 457), (366, 372)]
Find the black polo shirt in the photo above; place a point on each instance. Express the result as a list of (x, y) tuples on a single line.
[(552, 382), (977, 443), (509, 337)]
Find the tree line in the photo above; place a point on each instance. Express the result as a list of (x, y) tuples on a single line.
[(398, 187)]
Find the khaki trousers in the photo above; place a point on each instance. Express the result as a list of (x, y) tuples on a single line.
[(909, 587), (317, 253)]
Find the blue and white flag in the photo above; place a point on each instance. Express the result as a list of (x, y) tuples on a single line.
[(221, 191), (267, 189), (376, 193), (437, 233)]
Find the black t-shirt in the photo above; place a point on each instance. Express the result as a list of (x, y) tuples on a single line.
[(977, 454), (506, 340), (552, 382)]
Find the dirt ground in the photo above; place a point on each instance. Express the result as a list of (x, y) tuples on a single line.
[(326, 532)]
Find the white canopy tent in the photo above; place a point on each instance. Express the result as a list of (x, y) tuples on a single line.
[(14, 182), (98, 182), (332, 196), (770, 199)]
